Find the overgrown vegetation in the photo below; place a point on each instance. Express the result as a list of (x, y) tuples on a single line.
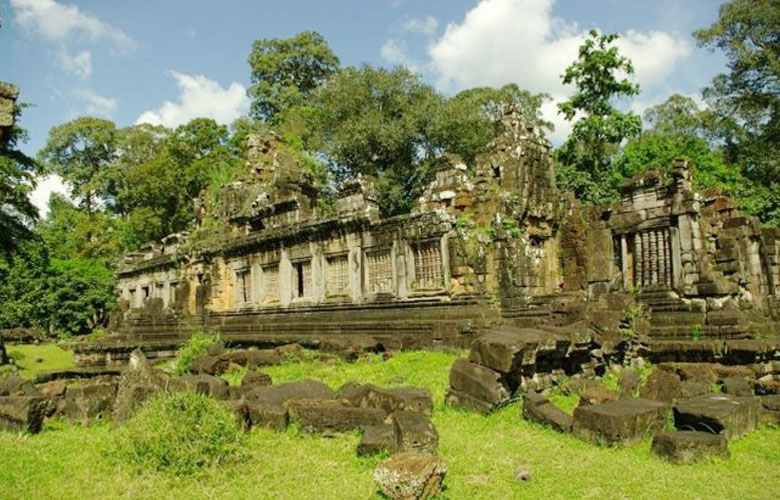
[(197, 345), (181, 433), (481, 454)]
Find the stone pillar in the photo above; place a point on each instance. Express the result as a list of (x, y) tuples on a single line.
[(638, 260), (653, 254), (624, 260), (662, 260), (646, 271)]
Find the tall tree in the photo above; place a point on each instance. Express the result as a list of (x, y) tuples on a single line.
[(748, 31), (17, 180), (81, 151), (285, 71), (376, 122), (599, 127)]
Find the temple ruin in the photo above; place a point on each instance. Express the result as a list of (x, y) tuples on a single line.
[(273, 260)]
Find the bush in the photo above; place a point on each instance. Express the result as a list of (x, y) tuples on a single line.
[(180, 433), (197, 345)]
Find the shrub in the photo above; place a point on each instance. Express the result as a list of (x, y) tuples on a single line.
[(197, 345), (179, 433)]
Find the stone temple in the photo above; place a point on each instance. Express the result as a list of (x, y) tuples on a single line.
[(495, 243)]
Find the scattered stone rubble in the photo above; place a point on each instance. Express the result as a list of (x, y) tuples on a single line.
[(508, 363)]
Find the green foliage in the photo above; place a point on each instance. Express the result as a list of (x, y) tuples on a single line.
[(180, 433), (32, 359), (81, 151), (596, 135), (197, 345), (285, 71), (696, 332), (17, 174), (745, 101)]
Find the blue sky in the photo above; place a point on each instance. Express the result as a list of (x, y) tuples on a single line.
[(170, 61)]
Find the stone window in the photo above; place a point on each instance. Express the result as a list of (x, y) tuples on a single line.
[(428, 265), (302, 282), (648, 259), (270, 290), (144, 293), (338, 275), (133, 298), (172, 290), (380, 271), (243, 286)]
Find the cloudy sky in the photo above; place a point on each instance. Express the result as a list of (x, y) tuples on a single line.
[(166, 62)]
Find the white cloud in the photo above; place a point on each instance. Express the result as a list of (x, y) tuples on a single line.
[(56, 22), (395, 51), (43, 191), (79, 65), (520, 41), (97, 105), (427, 26), (200, 97)]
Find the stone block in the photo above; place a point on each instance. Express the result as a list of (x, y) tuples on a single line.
[(628, 380), (505, 349), (377, 439), (263, 357), (458, 399), (770, 409), (272, 416), (389, 400), (685, 447), (202, 384), (87, 402), (330, 415), (414, 432), (410, 476), (543, 412), (255, 379), (596, 394), (662, 386), (691, 389), (22, 413), (210, 365), (619, 422), (737, 386), (480, 383), (280, 394), (718, 414), (13, 385), (138, 382)]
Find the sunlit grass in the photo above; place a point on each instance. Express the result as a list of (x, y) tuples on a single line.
[(35, 358), (482, 454)]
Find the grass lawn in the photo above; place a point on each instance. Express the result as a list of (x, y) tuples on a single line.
[(482, 454), (36, 358)]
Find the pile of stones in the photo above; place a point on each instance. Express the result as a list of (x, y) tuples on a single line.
[(394, 420), (709, 403)]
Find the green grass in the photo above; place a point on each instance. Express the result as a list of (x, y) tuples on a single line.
[(482, 454), (35, 358)]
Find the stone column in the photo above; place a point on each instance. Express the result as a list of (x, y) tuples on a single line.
[(638, 260)]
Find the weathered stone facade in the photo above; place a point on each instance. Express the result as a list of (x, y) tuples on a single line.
[(494, 243), (8, 95)]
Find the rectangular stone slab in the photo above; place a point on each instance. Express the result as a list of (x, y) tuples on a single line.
[(718, 414), (619, 422), (685, 447)]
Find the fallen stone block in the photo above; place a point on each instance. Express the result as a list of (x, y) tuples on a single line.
[(139, 381), (505, 349), (596, 395), (256, 379), (52, 390), (263, 357), (628, 380), (280, 394), (414, 432), (718, 414), (14, 385), (330, 415), (202, 384), (691, 389), (737, 386), (685, 447), (210, 365), (662, 386), (766, 386), (350, 348), (479, 383), (87, 402), (770, 409), (239, 410), (389, 400), (290, 352), (266, 415), (538, 409), (22, 413), (411, 476), (619, 422), (458, 399), (377, 439)]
